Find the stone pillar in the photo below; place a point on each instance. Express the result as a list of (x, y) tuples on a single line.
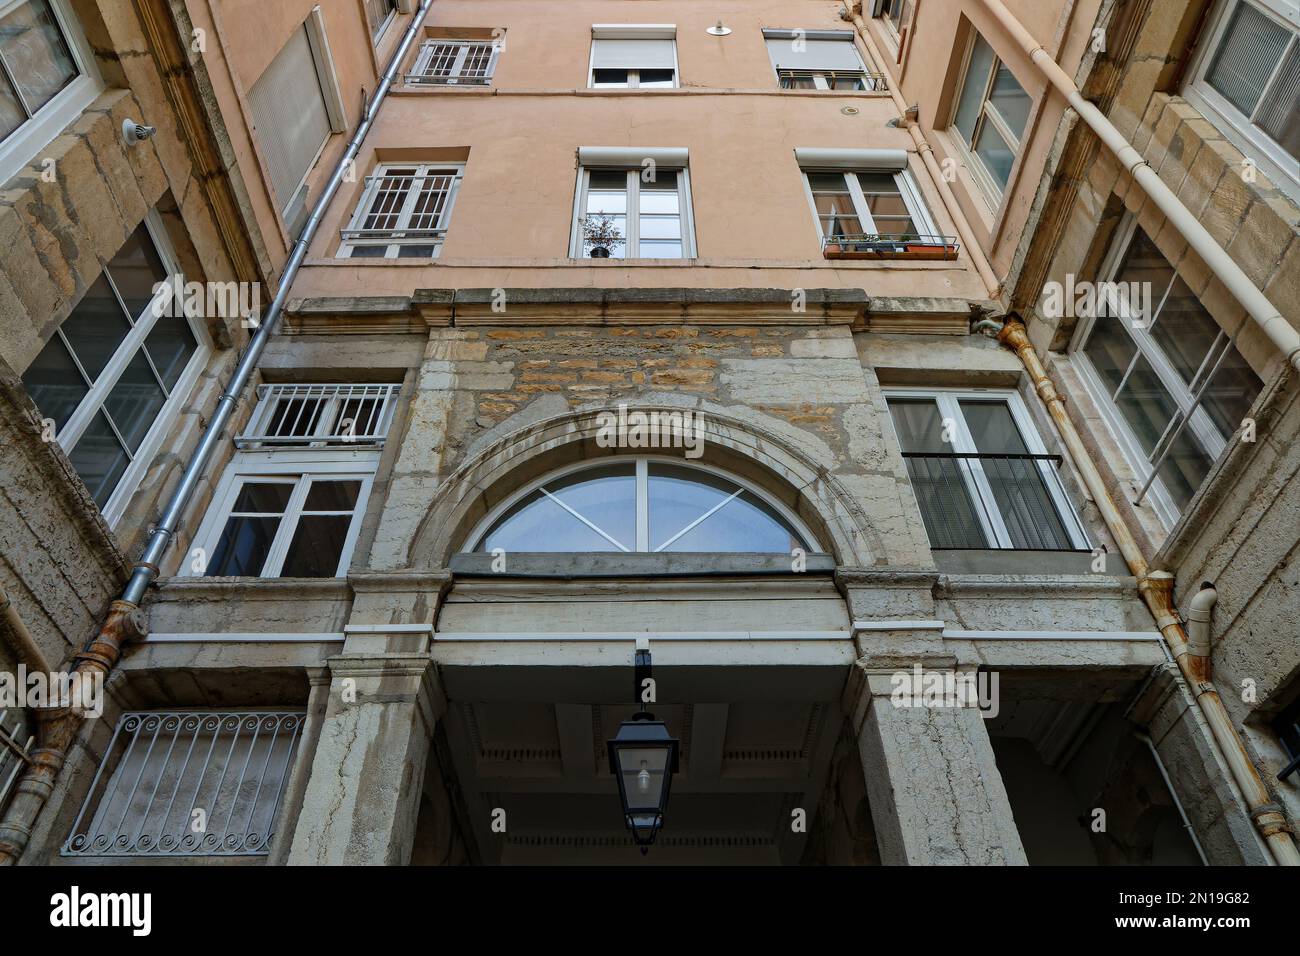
[(363, 795), (935, 791)]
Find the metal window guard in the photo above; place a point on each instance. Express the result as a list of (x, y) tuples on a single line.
[(947, 469), (322, 415), (876, 246), (874, 82), (15, 747), (427, 79), (1287, 728), (188, 784)]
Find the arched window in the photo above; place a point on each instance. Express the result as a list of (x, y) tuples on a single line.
[(641, 504)]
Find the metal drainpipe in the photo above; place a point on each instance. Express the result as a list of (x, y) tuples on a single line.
[(1178, 804), (1157, 590), (1221, 265), (57, 728), (973, 249)]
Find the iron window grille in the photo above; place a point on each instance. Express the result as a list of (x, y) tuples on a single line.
[(188, 784), (455, 63), (320, 416), (15, 748), (859, 80), (404, 213)]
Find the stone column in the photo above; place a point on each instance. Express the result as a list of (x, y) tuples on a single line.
[(935, 791), (363, 795)]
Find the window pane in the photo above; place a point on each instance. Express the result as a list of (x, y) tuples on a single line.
[(263, 497), (1251, 49), (656, 78), (368, 252), (998, 157), (35, 52), (96, 328), (135, 401), (1111, 351), (609, 77), (1183, 469), (332, 496), (993, 428), (135, 270), (99, 459), (918, 424), (12, 114), (54, 383), (606, 202), (1231, 392), (972, 91), (316, 547), (1184, 331), (606, 497), (170, 343), (661, 250), (1279, 116), (943, 495), (1025, 504), (243, 547), (680, 496), (660, 227), (1143, 262), (1010, 100), (1145, 404)]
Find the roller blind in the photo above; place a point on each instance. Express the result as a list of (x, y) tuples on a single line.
[(289, 115), (644, 54), (862, 160), (802, 53)]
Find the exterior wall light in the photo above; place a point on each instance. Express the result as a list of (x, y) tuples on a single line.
[(643, 757)]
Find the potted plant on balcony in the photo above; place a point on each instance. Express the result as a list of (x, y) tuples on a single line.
[(600, 232)]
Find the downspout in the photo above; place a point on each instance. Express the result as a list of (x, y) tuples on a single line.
[(973, 248), (125, 620), (1266, 315), (1173, 795), (1157, 590)]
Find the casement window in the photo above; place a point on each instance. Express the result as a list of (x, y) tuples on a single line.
[(165, 772), (114, 374), (980, 473), (633, 56), (291, 500), (1246, 79), (866, 202), (455, 63), (897, 14), (404, 212), (641, 504), (296, 105), (1172, 385), (379, 14), (819, 60), (47, 77), (991, 114), (633, 204)]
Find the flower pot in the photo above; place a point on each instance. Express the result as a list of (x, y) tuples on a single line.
[(599, 252)]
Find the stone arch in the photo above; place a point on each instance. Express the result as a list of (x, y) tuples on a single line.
[(760, 455)]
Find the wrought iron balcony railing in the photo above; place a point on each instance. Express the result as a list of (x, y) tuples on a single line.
[(903, 245), (319, 416), (188, 784), (990, 502), (843, 80)]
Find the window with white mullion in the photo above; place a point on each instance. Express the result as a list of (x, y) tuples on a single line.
[(869, 204), (404, 213), (650, 217), (379, 14), (990, 116)]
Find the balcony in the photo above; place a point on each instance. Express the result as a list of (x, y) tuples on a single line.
[(320, 416), (844, 81), (901, 246), (980, 502)]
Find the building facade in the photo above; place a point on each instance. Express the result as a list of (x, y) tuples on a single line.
[(861, 361)]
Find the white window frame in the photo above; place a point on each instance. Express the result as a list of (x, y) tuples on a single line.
[(631, 32), (904, 8), (275, 467), (1203, 430), (1277, 163), (25, 143), (93, 403), (972, 469), (368, 195), (630, 242), (907, 188), (993, 191), (642, 499), (379, 31), (454, 75)]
